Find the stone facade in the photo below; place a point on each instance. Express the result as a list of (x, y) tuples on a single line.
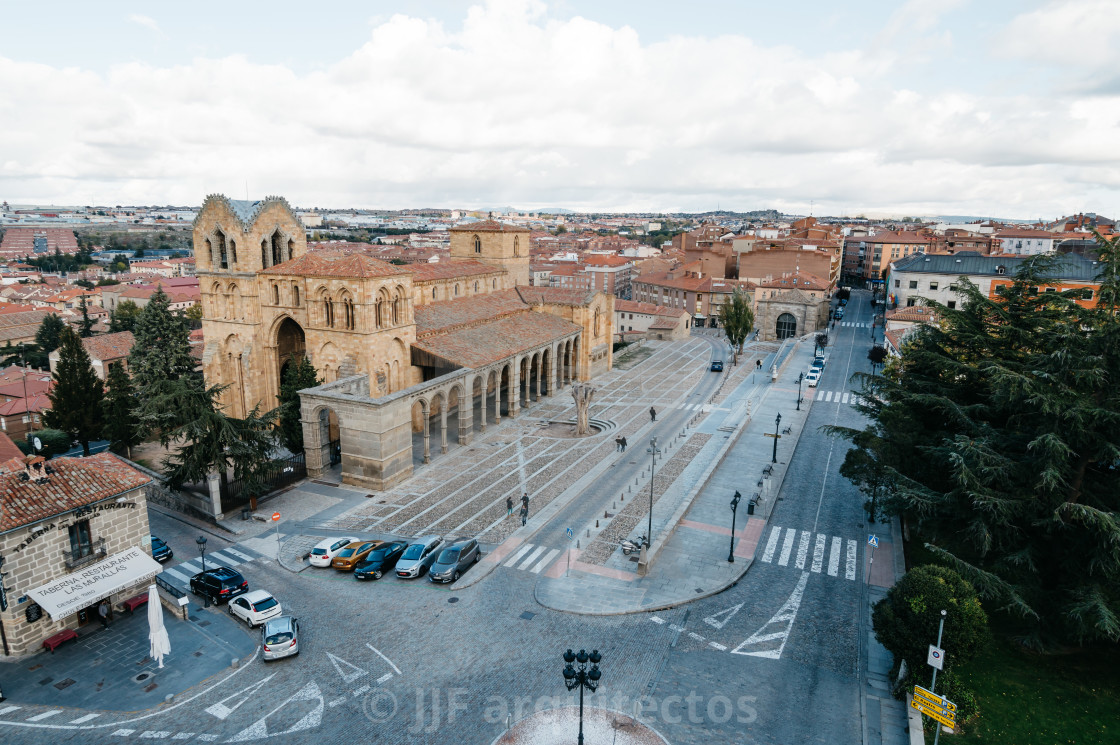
[(40, 552), (809, 314)]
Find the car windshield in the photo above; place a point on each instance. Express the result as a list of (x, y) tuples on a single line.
[(346, 552), (265, 604), (319, 551), (375, 556), (415, 551), (449, 555), (278, 638)]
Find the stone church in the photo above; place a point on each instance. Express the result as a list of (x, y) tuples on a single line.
[(401, 350)]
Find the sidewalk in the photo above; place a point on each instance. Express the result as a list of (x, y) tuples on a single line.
[(692, 519), (109, 669)]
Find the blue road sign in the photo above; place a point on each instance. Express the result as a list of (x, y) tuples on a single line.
[(571, 533), (873, 541)]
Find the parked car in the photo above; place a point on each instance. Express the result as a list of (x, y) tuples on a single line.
[(352, 555), (813, 378), (218, 584), (454, 560), (325, 551), (161, 552), (380, 560), (820, 358), (419, 556), (839, 313), (254, 608), (280, 638), (717, 366)]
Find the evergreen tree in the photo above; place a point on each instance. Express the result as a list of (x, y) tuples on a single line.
[(737, 319), (122, 425), (296, 377), (86, 326), (47, 337), (123, 317), (77, 393), (162, 368), (998, 433)]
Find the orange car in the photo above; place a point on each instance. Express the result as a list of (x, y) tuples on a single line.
[(349, 557)]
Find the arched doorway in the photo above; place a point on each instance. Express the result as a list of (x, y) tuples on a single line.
[(787, 326), (290, 345)]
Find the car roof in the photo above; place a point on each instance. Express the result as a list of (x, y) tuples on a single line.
[(256, 595), (280, 623), (425, 539), (328, 542), (458, 542)]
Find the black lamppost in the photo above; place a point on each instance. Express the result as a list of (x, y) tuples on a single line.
[(799, 379), (582, 678), (734, 508), (777, 423), (653, 452), (201, 542)]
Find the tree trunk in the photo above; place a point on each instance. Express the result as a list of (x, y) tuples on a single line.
[(582, 395), (85, 448)]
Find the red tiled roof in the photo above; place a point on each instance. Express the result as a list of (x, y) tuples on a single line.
[(323, 264), (555, 295), (74, 483), (801, 280), (489, 226), (901, 236), (439, 317), (109, 347), (8, 449), (916, 313), (476, 346), (649, 309), (450, 270), (603, 260), (664, 323), (35, 402)]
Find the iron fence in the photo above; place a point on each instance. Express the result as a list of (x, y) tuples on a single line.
[(278, 474)]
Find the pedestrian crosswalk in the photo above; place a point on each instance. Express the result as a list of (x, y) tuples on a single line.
[(181, 573), (839, 397), (695, 407), (531, 558), (855, 324), (802, 547)]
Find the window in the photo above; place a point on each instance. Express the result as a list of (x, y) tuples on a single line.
[(477, 245), (897, 283), (275, 294), (953, 288), (1033, 291), (295, 294), (1086, 294), (933, 286), (951, 304), (476, 286), (26, 419), (913, 284), (1051, 289), (81, 542), (910, 302), (433, 293)]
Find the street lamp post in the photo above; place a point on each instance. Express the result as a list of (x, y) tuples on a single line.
[(734, 509), (777, 423), (201, 542), (582, 678), (653, 452), (800, 377)]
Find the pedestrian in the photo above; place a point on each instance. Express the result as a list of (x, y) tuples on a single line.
[(509, 506), (525, 502), (652, 414), (617, 444), (758, 364), (103, 613), (524, 514), (624, 444)]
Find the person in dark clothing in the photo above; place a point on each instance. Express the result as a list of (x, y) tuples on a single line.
[(524, 514), (618, 443), (525, 502), (652, 414), (623, 439), (509, 506), (103, 613)]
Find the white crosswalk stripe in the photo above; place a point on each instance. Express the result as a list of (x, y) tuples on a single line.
[(8, 710), (850, 561), (176, 574), (771, 545), (787, 547), (818, 553), (238, 554), (520, 552), (834, 557), (190, 567), (828, 397), (844, 400), (528, 561), (803, 550), (839, 397), (545, 561), (531, 558), (224, 560), (827, 551)]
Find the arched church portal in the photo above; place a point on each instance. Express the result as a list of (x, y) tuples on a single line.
[(289, 345), (787, 326)]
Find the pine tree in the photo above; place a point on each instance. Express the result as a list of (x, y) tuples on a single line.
[(76, 406), (123, 317), (122, 425), (162, 368), (47, 337), (296, 377), (86, 326)]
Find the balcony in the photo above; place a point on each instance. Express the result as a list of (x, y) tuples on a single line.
[(84, 556)]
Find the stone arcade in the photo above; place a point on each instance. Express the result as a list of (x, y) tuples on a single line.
[(403, 350)]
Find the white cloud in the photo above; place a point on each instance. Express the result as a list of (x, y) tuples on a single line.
[(146, 21), (516, 108)]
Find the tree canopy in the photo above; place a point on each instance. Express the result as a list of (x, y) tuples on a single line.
[(122, 425), (77, 393), (159, 360), (737, 320), (47, 337), (998, 432), (296, 377), (123, 317)]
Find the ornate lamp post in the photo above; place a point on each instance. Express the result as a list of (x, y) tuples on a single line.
[(777, 423), (653, 452), (734, 509), (201, 542), (799, 379), (582, 678)]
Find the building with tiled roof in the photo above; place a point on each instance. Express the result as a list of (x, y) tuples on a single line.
[(20, 328), (20, 242), (103, 350), (73, 533), (383, 331), (656, 321), (1022, 242), (698, 294)]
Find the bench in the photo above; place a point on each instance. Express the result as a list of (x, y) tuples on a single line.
[(769, 469), (51, 642), (135, 602)]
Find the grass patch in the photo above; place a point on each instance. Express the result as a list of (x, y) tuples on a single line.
[(1040, 699)]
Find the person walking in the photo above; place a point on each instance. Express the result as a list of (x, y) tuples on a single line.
[(525, 503), (623, 439), (524, 514), (103, 613), (509, 506), (618, 443), (652, 414)]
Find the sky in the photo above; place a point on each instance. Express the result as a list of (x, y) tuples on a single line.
[(922, 107)]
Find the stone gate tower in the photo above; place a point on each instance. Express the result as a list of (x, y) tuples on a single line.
[(496, 244)]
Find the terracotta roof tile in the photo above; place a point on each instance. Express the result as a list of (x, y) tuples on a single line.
[(450, 270), (482, 344), (439, 317), (489, 226), (649, 309), (324, 264), (555, 295), (74, 483), (108, 347)]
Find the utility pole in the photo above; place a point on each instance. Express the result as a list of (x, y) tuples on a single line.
[(933, 685)]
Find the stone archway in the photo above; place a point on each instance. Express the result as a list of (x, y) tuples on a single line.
[(290, 345), (786, 326)]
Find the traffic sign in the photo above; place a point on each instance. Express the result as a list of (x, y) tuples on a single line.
[(936, 657), (873, 541), (571, 533), (932, 699), (948, 718), (275, 516)]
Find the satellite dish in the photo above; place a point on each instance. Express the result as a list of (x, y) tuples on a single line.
[(38, 444)]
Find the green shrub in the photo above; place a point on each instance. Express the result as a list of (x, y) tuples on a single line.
[(54, 442)]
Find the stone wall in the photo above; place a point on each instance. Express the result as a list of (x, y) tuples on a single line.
[(36, 554)]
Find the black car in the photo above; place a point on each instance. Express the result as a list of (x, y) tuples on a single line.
[(219, 584), (380, 560), (454, 560), (161, 552), (717, 366)]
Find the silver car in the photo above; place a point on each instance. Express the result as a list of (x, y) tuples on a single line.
[(280, 637), (418, 557)]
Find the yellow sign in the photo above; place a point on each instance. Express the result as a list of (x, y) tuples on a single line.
[(932, 699), (948, 718)]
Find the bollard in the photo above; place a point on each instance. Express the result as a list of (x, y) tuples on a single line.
[(588, 535), (596, 523), (604, 514)]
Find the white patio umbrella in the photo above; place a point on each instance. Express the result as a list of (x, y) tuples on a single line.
[(157, 632)]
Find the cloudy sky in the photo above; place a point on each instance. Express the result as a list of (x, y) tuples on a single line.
[(988, 107)]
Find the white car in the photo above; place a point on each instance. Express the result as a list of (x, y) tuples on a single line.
[(323, 554), (813, 378), (254, 608)]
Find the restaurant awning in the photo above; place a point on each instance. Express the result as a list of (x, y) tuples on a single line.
[(81, 588)]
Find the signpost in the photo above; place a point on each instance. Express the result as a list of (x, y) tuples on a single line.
[(936, 657), (873, 542), (571, 534), (928, 702), (276, 520)]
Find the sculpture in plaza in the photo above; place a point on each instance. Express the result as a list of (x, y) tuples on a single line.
[(582, 393)]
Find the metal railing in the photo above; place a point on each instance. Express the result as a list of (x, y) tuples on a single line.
[(277, 475), (82, 556), (169, 588)]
